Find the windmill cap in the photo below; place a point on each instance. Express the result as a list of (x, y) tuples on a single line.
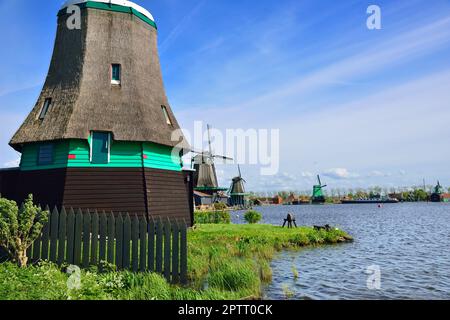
[(123, 3)]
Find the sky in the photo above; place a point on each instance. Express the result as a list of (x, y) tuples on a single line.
[(360, 107)]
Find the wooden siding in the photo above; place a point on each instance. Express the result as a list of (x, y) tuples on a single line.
[(123, 155), (160, 157), (29, 159), (108, 189), (168, 194), (145, 192)]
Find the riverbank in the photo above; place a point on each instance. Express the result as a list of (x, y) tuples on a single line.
[(225, 262)]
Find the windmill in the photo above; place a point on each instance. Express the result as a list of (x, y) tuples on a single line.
[(436, 196), (205, 177), (237, 190), (318, 197)]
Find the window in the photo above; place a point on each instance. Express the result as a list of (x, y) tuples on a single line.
[(115, 74), (45, 155), (100, 147), (45, 108), (166, 115)]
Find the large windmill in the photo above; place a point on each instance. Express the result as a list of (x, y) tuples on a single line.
[(205, 177), (237, 190), (318, 196)]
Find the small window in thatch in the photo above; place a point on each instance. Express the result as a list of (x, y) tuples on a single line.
[(166, 115), (45, 108), (45, 155), (115, 73)]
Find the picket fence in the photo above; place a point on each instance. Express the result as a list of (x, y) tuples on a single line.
[(129, 242)]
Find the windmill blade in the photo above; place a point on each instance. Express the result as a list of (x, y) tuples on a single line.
[(239, 169), (222, 157), (209, 139), (318, 178), (323, 186)]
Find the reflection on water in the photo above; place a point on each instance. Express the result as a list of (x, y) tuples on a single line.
[(409, 242)]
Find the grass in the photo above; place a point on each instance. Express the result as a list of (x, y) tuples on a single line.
[(225, 262)]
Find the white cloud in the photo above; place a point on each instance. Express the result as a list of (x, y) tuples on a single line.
[(338, 173), (12, 163)]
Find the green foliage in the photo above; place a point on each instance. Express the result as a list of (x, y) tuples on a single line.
[(219, 206), (252, 216), (20, 227), (212, 217), (225, 261)]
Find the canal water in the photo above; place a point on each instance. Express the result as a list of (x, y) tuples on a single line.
[(401, 251)]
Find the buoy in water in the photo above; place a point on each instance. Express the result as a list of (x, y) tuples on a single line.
[(380, 206)]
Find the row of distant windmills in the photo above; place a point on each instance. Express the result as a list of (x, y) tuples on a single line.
[(205, 177)]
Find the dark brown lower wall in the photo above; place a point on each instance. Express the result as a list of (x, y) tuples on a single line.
[(46, 186), (168, 194), (106, 189), (152, 192)]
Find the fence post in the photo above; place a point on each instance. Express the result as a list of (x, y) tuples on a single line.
[(94, 240), (159, 246), (183, 253), (143, 244), (175, 253), (135, 243), (119, 242), (54, 224), (86, 238), (37, 246), (167, 240), (70, 236), (46, 236), (103, 232), (77, 238), (151, 245), (111, 237), (126, 242), (62, 230)]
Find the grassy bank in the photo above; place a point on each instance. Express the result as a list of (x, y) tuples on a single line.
[(225, 262)]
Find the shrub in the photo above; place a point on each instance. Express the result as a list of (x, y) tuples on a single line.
[(212, 217), (252, 216), (20, 227), (220, 206)]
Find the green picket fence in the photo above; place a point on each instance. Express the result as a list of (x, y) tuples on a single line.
[(129, 242)]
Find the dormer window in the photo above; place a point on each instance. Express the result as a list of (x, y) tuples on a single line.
[(45, 108), (166, 115), (115, 74)]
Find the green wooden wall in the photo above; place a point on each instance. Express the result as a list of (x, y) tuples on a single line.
[(122, 155)]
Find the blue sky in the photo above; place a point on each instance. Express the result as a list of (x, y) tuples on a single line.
[(362, 107)]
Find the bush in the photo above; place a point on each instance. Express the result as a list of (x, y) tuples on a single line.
[(212, 217), (20, 227), (219, 206), (252, 216)]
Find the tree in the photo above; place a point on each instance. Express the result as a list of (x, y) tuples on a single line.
[(19, 228)]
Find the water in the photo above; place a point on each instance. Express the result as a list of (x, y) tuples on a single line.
[(408, 242)]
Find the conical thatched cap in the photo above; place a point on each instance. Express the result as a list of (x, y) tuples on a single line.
[(83, 97), (237, 186)]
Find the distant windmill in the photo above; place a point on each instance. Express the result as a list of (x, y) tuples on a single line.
[(205, 177), (237, 190), (436, 196), (318, 196)]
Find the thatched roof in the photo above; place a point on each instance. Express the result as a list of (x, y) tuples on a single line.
[(237, 186), (79, 84)]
